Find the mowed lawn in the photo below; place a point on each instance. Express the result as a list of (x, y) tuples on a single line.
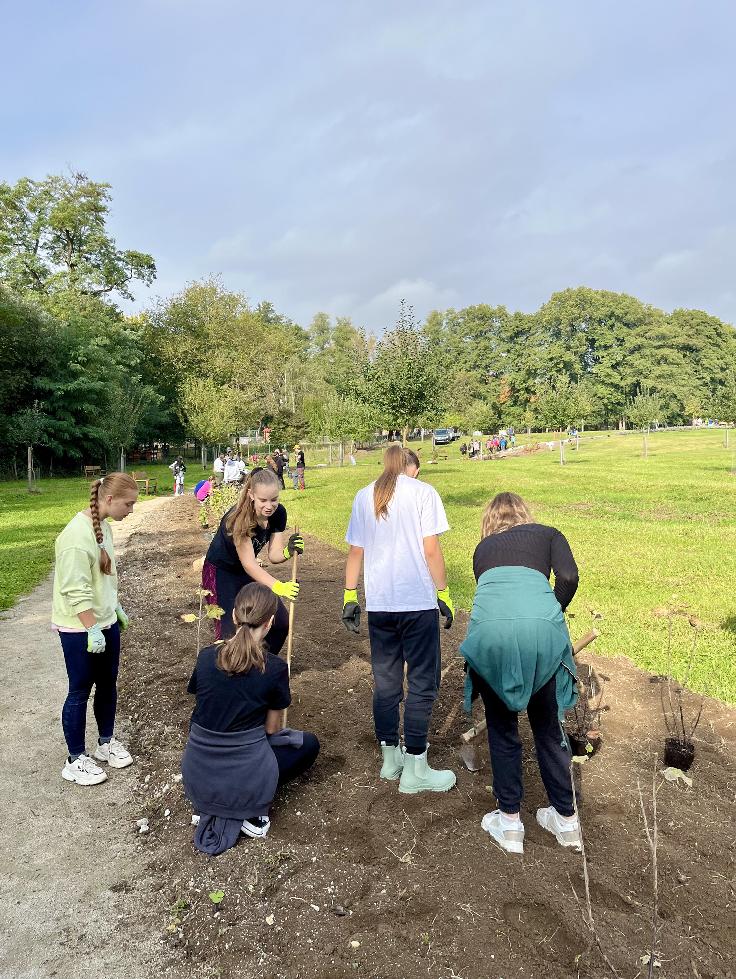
[(29, 524), (647, 534)]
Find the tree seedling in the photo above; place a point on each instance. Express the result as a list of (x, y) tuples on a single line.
[(205, 612), (679, 748)]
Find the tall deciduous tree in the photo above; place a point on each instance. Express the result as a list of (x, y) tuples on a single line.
[(53, 238), (404, 382)]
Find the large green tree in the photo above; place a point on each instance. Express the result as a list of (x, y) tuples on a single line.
[(53, 238), (404, 382)]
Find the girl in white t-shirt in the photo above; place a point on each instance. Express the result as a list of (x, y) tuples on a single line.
[(394, 528)]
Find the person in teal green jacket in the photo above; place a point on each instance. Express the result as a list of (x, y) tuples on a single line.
[(88, 617), (519, 657)]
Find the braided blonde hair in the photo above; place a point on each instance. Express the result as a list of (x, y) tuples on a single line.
[(114, 484)]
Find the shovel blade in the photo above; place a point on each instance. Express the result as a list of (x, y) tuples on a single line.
[(469, 757)]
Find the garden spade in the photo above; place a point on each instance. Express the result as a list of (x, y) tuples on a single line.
[(468, 751)]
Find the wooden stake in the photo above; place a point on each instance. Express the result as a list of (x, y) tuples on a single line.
[(290, 639)]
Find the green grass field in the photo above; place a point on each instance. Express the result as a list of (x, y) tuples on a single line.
[(647, 534)]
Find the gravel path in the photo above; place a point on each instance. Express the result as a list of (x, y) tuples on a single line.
[(71, 876)]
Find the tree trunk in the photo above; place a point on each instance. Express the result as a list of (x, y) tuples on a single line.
[(646, 447), (329, 454), (562, 452), (342, 453), (727, 436), (30, 468), (204, 456), (404, 435), (122, 459)]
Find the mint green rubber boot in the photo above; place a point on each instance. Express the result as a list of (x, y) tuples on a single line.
[(417, 776), (393, 761)]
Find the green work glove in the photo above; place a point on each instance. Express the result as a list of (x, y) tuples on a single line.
[(95, 639), (447, 609), (123, 620), (286, 589), (351, 610), (295, 543)]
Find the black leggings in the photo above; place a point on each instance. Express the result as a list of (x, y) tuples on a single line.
[(293, 761), (505, 747)]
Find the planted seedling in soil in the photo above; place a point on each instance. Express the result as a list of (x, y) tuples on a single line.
[(205, 612), (679, 748), (583, 722)]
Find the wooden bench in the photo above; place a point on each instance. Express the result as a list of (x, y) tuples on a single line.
[(92, 472), (145, 482)]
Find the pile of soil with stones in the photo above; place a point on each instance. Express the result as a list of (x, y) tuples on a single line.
[(355, 879)]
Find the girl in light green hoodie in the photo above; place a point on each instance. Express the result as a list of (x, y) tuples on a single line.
[(89, 619)]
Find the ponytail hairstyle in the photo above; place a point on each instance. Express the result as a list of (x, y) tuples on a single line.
[(395, 460), (506, 510), (114, 484), (242, 521), (254, 605)]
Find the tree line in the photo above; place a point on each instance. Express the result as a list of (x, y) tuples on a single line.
[(80, 381)]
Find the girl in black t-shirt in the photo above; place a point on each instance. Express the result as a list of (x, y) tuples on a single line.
[(255, 525), (237, 729)]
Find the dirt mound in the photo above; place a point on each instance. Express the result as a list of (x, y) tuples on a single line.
[(355, 879)]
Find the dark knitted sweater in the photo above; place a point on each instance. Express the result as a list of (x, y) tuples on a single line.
[(533, 546)]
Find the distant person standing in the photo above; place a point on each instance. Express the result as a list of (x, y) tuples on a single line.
[(299, 467), (178, 469), (219, 468)]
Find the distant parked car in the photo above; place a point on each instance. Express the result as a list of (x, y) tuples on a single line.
[(442, 436)]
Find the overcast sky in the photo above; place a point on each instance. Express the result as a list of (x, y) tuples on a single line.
[(340, 156)]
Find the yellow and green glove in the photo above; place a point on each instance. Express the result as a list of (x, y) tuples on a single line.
[(123, 620), (446, 606), (286, 589), (351, 610), (95, 639), (295, 543)]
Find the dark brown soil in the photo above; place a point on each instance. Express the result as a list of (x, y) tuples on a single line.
[(356, 879)]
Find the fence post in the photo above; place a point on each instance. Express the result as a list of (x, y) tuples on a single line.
[(342, 453)]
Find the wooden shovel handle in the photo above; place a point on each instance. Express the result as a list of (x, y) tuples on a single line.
[(290, 639)]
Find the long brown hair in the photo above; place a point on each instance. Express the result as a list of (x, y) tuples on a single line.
[(505, 510), (254, 605), (114, 484), (242, 520), (395, 460)]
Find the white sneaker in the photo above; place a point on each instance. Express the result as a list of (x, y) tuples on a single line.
[(257, 827), (114, 753), (83, 771), (565, 831), (507, 833)]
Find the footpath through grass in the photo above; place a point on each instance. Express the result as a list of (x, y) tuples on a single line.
[(647, 534)]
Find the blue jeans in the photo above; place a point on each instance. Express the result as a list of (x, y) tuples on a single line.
[(87, 670), (397, 638)]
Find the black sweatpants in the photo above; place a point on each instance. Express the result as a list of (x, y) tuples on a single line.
[(397, 638), (294, 761), (505, 747)]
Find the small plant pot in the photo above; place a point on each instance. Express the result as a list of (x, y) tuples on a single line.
[(678, 754)]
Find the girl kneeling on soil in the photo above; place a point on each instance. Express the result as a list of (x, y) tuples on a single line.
[(238, 751), (519, 657), (89, 620), (257, 520), (395, 524)]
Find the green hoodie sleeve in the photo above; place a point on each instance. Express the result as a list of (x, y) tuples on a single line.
[(74, 579)]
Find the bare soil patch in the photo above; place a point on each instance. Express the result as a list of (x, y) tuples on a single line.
[(356, 879)]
